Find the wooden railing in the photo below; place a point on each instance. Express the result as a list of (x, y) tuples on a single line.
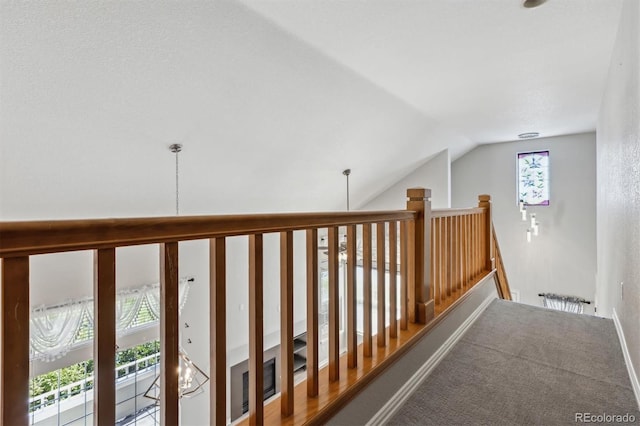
[(451, 249), (502, 283), (461, 251)]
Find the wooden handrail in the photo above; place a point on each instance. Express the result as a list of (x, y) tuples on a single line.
[(55, 236), (502, 283), (455, 212), (441, 253)]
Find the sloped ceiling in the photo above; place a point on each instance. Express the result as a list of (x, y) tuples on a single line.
[(489, 68), (273, 99)]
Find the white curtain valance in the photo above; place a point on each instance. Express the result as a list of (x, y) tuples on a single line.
[(55, 330)]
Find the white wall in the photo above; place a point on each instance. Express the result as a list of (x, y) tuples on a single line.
[(434, 174), (618, 148), (562, 259)]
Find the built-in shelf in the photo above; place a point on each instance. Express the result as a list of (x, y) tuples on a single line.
[(299, 363), (299, 345), (300, 353)]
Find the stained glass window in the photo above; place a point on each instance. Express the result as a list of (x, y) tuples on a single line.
[(533, 178)]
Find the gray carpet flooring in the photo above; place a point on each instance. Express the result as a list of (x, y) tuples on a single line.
[(523, 365)]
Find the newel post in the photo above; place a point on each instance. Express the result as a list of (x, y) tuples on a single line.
[(484, 202), (419, 200)]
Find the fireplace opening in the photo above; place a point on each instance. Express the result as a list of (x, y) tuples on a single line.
[(269, 370)]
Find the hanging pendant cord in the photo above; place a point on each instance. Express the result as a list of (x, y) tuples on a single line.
[(177, 186), (176, 148), (347, 172)]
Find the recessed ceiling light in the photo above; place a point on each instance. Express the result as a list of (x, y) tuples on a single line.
[(532, 3), (528, 135)]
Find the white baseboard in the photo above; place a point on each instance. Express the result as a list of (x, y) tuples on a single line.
[(395, 402), (635, 383)]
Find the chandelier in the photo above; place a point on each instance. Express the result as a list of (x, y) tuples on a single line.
[(191, 379)]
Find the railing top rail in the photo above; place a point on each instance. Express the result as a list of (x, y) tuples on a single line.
[(39, 237), (456, 212)]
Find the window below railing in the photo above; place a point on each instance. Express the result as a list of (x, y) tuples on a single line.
[(55, 330), (65, 396)]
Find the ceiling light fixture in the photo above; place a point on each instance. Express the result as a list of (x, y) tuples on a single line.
[(529, 4), (528, 135)]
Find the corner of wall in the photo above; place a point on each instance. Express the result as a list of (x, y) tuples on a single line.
[(434, 174)]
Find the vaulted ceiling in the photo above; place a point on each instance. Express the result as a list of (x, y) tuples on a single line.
[(273, 99), (489, 68)]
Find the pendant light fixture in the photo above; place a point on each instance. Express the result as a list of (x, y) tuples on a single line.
[(191, 378), (534, 225)]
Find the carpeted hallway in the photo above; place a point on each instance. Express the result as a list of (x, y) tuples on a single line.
[(523, 365)]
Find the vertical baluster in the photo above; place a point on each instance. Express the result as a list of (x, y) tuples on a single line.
[(256, 342), (367, 345), (352, 336), (467, 247), (443, 261), (479, 241), (381, 290), (460, 249), (312, 312), (169, 337), (456, 254), (473, 247), (286, 323), (104, 343), (474, 253), (484, 202), (465, 240), (481, 235), (393, 272), (435, 256), (485, 241), (411, 269), (334, 306), (447, 224), (478, 244), (404, 277), (435, 253), (452, 252), (463, 258), (14, 362), (218, 329)]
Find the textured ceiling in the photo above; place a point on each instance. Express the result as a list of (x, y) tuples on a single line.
[(490, 69), (273, 99)]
